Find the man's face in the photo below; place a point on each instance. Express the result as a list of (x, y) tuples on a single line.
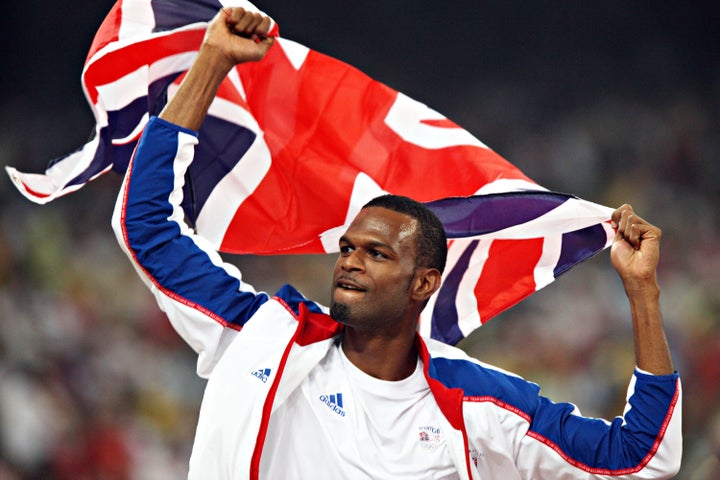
[(374, 271)]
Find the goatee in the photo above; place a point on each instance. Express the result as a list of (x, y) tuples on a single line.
[(340, 312)]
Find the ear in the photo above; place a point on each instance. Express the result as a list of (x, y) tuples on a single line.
[(426, 282)]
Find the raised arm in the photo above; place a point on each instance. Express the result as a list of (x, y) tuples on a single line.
[(234, 36), (204, 298), (646, 442), (635, 254)]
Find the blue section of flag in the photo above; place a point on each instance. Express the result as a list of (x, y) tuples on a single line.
[(445, 315), (224, 145), (175, 14), (483, 214), (578, 246)]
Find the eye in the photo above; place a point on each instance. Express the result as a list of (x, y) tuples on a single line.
[(376, 253), (345, 249)]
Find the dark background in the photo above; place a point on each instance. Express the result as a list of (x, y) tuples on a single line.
[(614, 101)]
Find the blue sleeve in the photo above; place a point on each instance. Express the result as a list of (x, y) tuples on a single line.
[(645, 442), (201, 294), (627, 444)]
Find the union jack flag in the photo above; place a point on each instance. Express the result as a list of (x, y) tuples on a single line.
[(295, 144)]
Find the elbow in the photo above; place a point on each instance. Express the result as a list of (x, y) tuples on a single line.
[(675, 469), (674, 459), (117, 222), (668, 458), (116, 219)]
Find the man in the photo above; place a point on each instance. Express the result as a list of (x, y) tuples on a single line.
[(295, 392)]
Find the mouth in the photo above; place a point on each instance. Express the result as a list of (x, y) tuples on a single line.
[(348, 285)]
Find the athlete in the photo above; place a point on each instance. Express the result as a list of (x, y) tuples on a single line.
[(299, 391)]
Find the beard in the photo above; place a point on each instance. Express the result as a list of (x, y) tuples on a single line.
[(340, 312), (343, 314)]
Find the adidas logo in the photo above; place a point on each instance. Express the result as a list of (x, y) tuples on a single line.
[(262, 373), (334, 403)]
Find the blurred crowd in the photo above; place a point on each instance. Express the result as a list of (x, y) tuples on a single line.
[(94, 384)]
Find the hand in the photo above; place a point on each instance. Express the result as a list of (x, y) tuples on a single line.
[(635, 251), (234, 36), (237, 35)]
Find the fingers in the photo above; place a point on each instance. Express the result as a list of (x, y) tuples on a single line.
[(246, 23), (236, 36), (631, 227)]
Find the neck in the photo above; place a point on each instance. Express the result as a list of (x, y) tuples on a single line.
[(381, 357)]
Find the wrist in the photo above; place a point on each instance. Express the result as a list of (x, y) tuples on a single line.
[(646, 285), (642, 290), (213, 63)]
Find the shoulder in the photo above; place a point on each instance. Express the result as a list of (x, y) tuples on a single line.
[(315, 323), (479, 380), (293, 298)]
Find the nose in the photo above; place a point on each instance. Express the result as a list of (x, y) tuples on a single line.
[(351, 262)]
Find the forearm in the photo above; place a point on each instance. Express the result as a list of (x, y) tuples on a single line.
[(191, 102), (635, 254), (651, 347)]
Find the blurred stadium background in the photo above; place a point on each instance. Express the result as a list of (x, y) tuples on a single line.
[(615, 101)]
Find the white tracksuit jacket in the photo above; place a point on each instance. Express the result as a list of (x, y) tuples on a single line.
[(255, 350)]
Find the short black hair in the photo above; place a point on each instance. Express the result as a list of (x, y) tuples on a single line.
[(430, 239)]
